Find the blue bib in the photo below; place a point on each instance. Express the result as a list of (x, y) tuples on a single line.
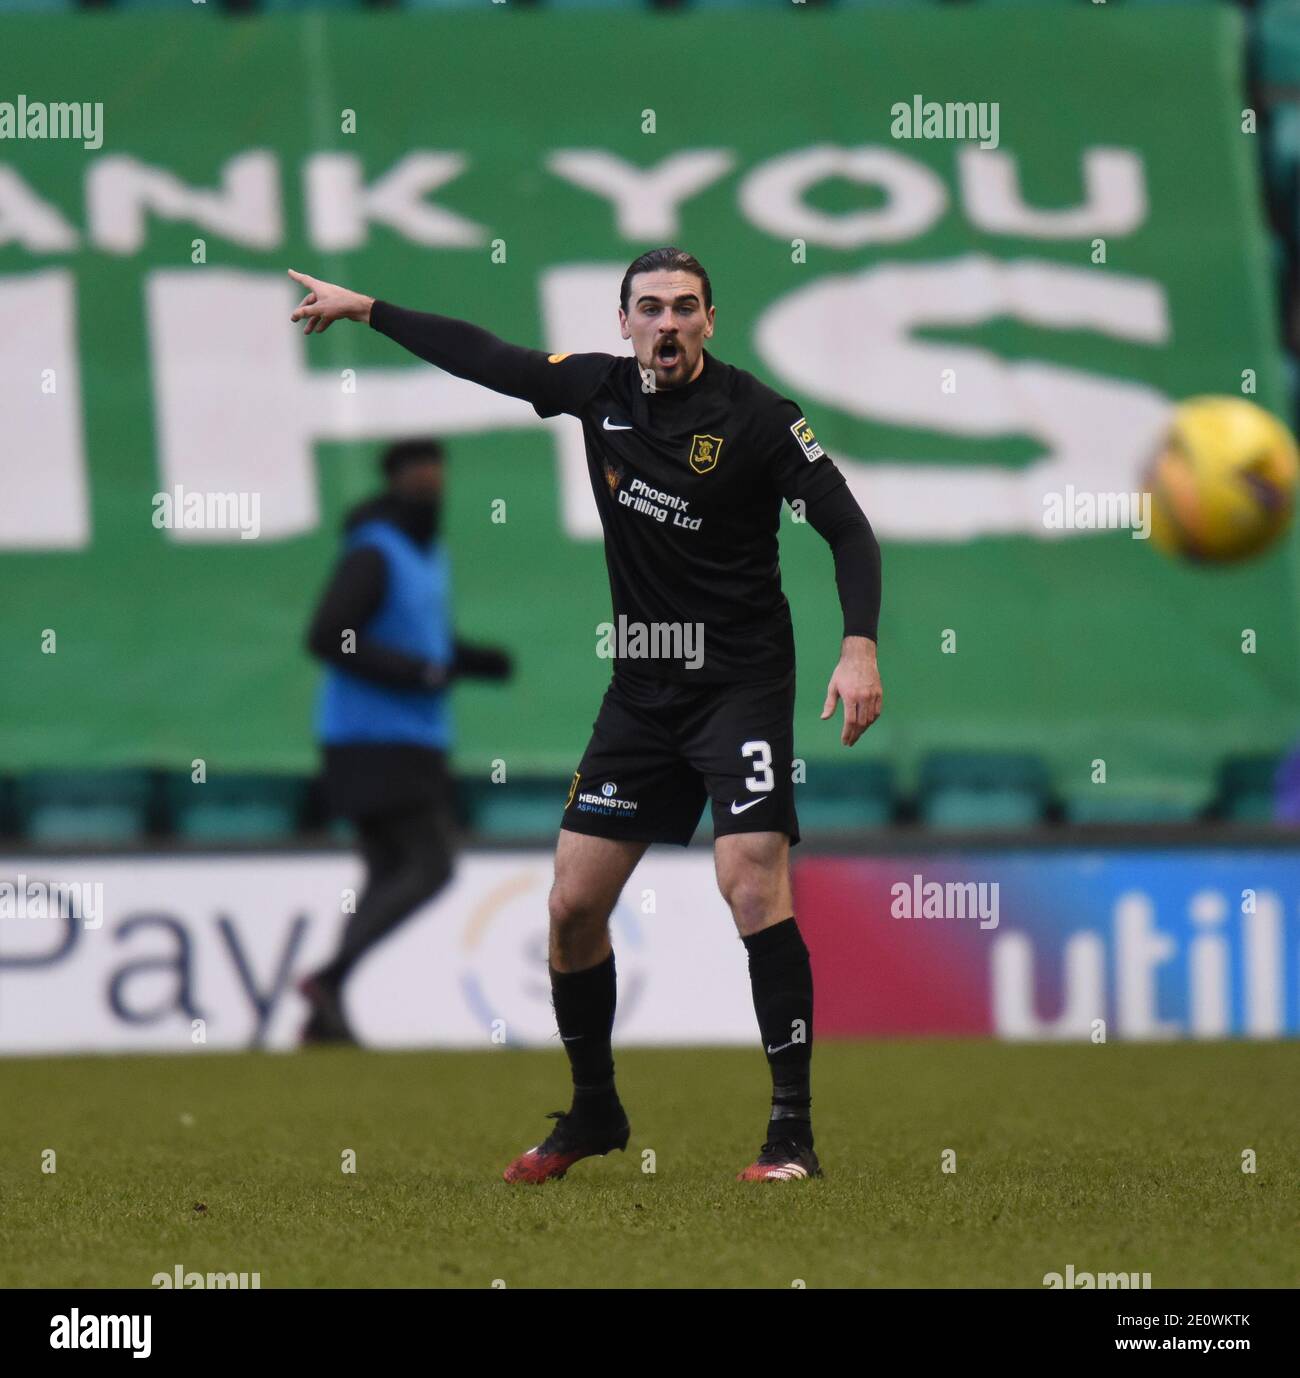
[(415, 617)]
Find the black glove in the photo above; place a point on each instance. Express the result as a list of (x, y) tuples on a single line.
[(482, 662)]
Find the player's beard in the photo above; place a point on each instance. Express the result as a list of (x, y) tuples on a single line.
[(674, 374)]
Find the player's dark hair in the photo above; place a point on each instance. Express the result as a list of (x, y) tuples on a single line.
[(675, 261), (403, 452)]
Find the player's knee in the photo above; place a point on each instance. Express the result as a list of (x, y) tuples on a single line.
[(750, 895), (572, 912)]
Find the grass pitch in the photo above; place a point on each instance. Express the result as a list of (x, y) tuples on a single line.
[(1113, 1158)]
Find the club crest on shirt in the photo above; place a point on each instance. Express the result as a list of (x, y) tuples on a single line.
[(613, 475), (705, 450), (803, 433)]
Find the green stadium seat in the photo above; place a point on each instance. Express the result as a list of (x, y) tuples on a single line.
[(526, 809), (212, 6), (1277, 43), (1103, 804), (745, 5), (1282, 151), (955, 808), (456, 4), (836, 798), (100, 808), (304, 6), (1247, 789), (1109, 4), (235, 809), (982, 790)]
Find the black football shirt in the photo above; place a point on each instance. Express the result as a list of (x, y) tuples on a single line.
[(689, 484)]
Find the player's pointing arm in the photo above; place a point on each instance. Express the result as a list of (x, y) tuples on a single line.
[(326, 303), (553, 383)]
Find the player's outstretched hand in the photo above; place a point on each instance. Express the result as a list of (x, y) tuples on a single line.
[(857, 681), (326, 303)]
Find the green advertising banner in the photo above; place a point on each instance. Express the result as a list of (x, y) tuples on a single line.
[(972, 314)]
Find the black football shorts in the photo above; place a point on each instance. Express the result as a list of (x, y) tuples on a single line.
[(659, 749)]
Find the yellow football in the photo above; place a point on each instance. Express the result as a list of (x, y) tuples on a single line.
[(1223, 482)]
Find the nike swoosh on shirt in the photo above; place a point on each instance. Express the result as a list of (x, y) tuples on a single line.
[(608, 427), (743, 807), (782, 1048)]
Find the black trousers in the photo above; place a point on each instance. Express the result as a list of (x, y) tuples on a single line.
[(407, 843)]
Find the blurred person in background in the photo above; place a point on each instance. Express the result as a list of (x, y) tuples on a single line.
[(383, 629)]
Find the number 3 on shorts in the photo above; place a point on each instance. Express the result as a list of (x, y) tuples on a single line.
[(762, 780)]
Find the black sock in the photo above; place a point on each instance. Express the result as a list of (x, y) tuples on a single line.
[(781, 977), (584, 1011)]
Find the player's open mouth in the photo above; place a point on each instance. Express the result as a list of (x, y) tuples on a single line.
[(667, 353)]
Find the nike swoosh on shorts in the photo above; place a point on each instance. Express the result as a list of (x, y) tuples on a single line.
[(743, 807)]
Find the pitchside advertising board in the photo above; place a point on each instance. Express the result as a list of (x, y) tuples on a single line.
[(187, 955), (971, 325)]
